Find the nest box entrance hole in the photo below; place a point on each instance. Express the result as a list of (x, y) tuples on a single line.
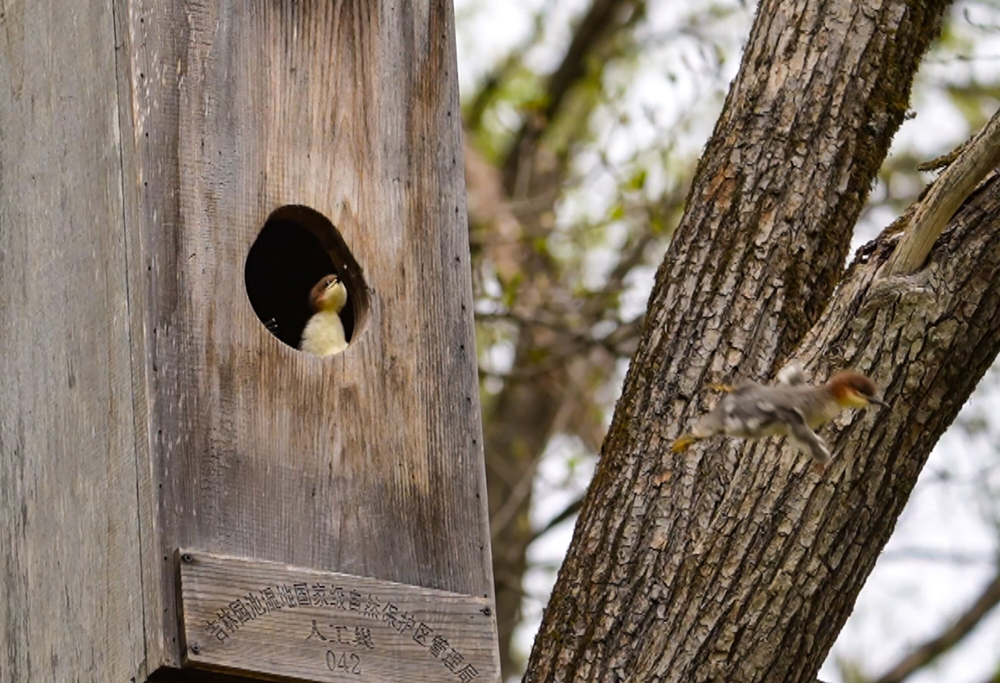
[(296, 247)]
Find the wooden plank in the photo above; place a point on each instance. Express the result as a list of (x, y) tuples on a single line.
[(137, 281), (270, 619), (369, 463), (71, 601)]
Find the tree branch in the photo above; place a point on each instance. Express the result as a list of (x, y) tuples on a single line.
[(934, 555), (488, 206), (483, 98), (502, 517), (935, 647), (566, 513), (944, 160), (603, 20), (974, 161), (618, 342)]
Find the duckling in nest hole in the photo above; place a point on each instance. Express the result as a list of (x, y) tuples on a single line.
[(324, 333)]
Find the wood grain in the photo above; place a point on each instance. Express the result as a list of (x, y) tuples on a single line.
[(367, 463), (272, 620), (71, 602), (978, 157)]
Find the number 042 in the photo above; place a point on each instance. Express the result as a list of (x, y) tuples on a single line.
[(350, 663)]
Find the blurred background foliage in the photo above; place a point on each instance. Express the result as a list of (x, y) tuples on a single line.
[(583, 123)]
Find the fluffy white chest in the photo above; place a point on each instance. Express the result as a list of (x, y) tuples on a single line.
[(324, 334)]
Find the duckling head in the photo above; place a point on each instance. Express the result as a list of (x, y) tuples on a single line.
[(329, 294)]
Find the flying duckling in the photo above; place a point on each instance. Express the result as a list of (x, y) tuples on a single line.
[(791, 407)]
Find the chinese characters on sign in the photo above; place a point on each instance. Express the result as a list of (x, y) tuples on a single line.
[(359, 636), (345, 644)]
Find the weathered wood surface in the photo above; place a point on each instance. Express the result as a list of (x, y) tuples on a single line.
[(367, 463), (266, 618), (70, 590), (979, 157)]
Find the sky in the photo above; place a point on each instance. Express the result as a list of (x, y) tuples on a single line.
[(944, 547)]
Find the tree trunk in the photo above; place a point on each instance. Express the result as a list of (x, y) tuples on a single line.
[(734, 562)]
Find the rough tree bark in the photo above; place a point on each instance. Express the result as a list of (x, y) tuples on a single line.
[(734, 562)]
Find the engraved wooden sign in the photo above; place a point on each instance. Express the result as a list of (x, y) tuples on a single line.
[(273, 620)]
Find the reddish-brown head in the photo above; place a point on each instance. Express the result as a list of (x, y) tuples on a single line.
[(328, 294), (852, 389)]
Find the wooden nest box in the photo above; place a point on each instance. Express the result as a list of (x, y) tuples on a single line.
[(183, 488)]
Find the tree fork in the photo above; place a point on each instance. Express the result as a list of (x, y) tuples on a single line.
[(742, 567)]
